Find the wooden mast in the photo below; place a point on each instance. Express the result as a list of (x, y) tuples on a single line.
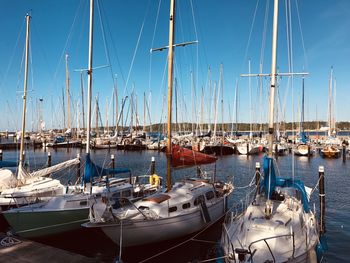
[(88, 127), (21, 155), (170, 87), (273, 77)]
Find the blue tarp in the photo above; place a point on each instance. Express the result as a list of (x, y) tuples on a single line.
[(92, 170), (8, 164), (271, 181)]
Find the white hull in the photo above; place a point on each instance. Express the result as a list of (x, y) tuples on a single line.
[(251, 149), (288, 225), (142, 232)]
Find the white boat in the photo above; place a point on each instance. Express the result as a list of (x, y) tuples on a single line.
[(249, 148), (189, 207), (276, 224), (63, 212), (71, 208), (27, 187), (303, 149), (186, 207)]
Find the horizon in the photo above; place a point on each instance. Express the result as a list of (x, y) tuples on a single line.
[(226, 34)]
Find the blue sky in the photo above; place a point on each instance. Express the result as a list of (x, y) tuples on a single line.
[(226, 34)]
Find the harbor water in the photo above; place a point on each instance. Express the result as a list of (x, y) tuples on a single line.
[(239, 169)]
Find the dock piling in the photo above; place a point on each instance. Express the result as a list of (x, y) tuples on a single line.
[(322, 197), (48, 159)]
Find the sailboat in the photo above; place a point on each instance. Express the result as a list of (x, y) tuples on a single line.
[(69, 209), (303, 148), (330, 149), (29, 187), (277, 224), (186, 207)]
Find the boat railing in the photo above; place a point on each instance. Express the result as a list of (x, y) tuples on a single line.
[(238, 209), (267, 244), (231, 250)]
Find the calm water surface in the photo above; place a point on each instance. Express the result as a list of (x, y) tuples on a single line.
[(240, 169)]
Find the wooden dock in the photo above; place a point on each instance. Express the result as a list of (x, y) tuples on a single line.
[(30, 251)]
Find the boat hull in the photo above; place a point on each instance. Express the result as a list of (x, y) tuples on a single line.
[(31, 224), (140, 232)]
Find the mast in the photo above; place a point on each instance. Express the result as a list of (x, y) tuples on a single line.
[(82, 97), (170, 87), (88, 128), (97, 109), (222, 102), (250, 103), (302, 108), (68, 94), (330, 108), (273, 77), (21, 155)]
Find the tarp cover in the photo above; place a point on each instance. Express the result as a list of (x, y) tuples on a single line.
[(8, 164), (92, 170), (271, 181)]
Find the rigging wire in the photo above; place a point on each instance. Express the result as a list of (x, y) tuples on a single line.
[(301, 34), (113, 43), (152, 43), (250, 34), (136, 48), (12, 54), (64, 50)]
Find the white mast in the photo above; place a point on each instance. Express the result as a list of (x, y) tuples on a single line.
[(68, 94), (330, 105), (21, 155), (273, 76), (88, 127)]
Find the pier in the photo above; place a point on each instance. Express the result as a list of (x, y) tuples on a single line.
[(30, 251)]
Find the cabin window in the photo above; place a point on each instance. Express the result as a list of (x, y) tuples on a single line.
[(198, 200), (209, 195), (84, 203), (172, 209), (115, 195), (126, 193), (186, 205)]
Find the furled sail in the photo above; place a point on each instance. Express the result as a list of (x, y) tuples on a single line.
[(55, 168)]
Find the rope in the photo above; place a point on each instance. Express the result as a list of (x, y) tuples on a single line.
[(316, 186), (212, 259), (251, 182), (9, 241)]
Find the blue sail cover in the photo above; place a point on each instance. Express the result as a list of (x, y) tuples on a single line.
[(303, 138), (271, 181), (8, 164), (92, 170)]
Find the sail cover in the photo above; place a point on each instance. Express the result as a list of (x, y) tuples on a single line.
[(185, 157), (271, 181), (92, 170), (8, 164), (55, 168)]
